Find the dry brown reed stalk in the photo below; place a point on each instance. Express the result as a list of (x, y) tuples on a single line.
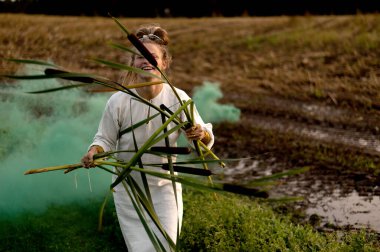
[(53, 168), (130, 86), (67, 168)]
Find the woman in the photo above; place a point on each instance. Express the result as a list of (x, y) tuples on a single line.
[(122, 111)]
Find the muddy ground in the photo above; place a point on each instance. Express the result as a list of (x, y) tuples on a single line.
[(307, 88)]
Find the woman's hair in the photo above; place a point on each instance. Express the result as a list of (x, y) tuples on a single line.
[(149, 33)]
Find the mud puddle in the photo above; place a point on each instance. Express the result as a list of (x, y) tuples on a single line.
[(343, 201)]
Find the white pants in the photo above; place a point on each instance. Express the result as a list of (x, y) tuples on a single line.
[(167, 211)]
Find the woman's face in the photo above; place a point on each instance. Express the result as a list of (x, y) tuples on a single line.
[(142, 63)]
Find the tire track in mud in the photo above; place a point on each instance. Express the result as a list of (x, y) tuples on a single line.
[(366, 142), (318, 122)]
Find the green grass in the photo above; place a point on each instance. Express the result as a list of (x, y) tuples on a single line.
[(223, 223), (235, 223), (62, 228)]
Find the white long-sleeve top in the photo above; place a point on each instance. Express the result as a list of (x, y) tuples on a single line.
[(123, 110)]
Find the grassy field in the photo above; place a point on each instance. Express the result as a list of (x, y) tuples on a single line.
[(326, 58), (287, 75)]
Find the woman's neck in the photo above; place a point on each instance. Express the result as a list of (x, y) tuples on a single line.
[(150, 92)]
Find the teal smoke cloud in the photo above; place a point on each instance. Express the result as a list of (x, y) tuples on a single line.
[(206, 98), (41, 130)]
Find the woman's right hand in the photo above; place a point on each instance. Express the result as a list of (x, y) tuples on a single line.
[(88, 159)]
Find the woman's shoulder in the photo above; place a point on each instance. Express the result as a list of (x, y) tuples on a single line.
[(181, 93), (118, 98)]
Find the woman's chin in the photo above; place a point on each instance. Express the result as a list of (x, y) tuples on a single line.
[(144, 78)]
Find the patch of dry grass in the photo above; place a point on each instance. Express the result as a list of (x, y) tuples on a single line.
[(296, 57), (331, 60)]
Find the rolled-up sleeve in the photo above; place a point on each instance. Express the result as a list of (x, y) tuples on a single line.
[(108, 129)]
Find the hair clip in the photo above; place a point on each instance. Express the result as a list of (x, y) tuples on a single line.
[(152, 37)]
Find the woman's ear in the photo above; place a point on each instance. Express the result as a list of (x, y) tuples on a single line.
[(164, 65)]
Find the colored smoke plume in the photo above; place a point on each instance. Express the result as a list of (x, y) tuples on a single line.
[(50, 129)]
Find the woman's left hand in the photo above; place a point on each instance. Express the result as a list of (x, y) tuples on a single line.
[(195, 132)]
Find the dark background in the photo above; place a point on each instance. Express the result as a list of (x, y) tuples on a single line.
[(194, 8)]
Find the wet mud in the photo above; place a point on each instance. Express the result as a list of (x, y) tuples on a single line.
[(335, 194)]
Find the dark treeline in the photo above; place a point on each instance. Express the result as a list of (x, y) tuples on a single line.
[(194, 8)]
